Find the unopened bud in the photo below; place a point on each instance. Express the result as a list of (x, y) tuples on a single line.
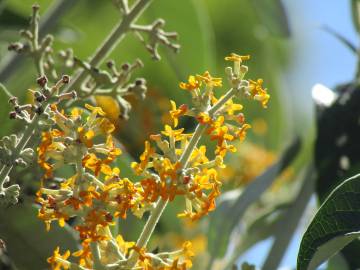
[(65, 79), (42, 81), (110, 63), (125, 66), (13, 100), (12, 115)]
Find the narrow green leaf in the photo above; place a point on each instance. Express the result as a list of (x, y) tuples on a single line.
[(260, 229), (355, 4), (335, 225), (337, 262), (273, 16), (341, 38), (286, 228), (229, 215)]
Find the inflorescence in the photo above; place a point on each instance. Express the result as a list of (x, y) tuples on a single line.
[(172, 165)]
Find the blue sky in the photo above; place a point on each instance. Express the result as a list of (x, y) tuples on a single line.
[(318, 58)]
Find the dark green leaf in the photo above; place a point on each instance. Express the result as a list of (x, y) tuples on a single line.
[(10, 18), (338, 218), (273, 16), (337, 262)]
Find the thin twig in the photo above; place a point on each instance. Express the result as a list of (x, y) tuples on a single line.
[(49, 20)]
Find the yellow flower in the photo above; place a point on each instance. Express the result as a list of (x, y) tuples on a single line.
[(241, 134), (144, 159), (204, 118), (75, 113), (231, 107), (86, 136), (58, 261), (209, 80), (237, 58), (95, 110), (173, 133), (123, 245), (192, 84), (258, 92), (176, 113)]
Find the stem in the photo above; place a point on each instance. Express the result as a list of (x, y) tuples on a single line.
[(221, 102), (116, 35), (199, 130), (19, 147), (9, 65), (148, 230), (151, 223), (96, 256)]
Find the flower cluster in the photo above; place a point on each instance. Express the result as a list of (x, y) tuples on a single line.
[(173, 164)]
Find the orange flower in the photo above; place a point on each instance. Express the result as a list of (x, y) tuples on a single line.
[(258, 92), (209, 80), (191, 85), (176, 113)]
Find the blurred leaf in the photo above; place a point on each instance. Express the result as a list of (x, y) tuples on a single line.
[(273, 16), (247, 266), (27, 242), (337, 262), (10, 18), (229, 215), (260, 229), (356, 14), (286, 228), (335, 225), (341, 38)]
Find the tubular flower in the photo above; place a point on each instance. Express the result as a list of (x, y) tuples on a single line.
[(192, 84), (175, 113), (237, 58), (96, 193), (210, 81), (258, 93), (58, 261), (176, 260)]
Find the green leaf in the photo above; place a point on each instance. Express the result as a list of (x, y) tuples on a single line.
[(230, 211), (355, 6), (335, 225), (28, 244), (337, 262), (260, 229), (273, 16), (286, 228)]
